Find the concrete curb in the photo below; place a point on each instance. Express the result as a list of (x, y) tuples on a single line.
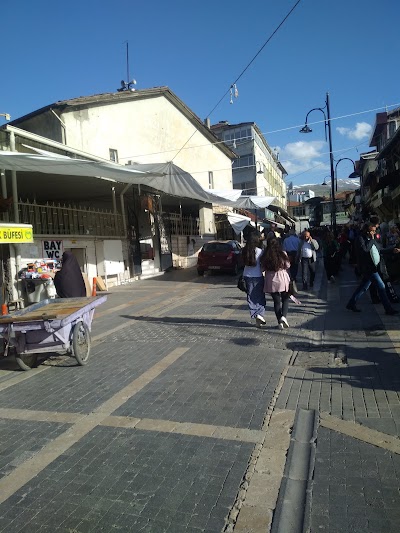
[(290, 510)]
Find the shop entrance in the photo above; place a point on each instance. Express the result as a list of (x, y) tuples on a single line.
[(80, 254)]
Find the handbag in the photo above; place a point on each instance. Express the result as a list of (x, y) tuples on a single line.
[(292, 288), (241, 284), (392, 295)]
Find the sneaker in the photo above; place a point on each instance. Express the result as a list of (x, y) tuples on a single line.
[(392, 312), (261, 319), (260, 323), (280, 325), (352, 307), (284, 322)]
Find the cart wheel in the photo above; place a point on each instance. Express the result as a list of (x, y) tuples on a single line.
[(26, 361), (81, 343)]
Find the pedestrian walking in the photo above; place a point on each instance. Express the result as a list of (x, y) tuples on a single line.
[(330, 251), (307, 257), (254, 278), (276, 263), (290, 246), (368, 257)]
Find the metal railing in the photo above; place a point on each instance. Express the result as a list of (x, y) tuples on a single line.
[(182, 225), (57, 219)]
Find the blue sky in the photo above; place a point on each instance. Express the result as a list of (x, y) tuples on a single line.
[(56, 50)]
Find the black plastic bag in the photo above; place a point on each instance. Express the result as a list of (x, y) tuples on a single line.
[(392, 294), (241, 284)]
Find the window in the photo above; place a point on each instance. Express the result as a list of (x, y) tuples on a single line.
[(211, 180), (217, 247), (244, 161), (113, 155)]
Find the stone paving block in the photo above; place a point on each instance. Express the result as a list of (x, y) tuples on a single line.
[(20, 440), (82, 389), (356, 492), (230, 378), (142, 493)]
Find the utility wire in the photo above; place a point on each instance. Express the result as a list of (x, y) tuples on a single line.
[(244, 70), (267, 132)]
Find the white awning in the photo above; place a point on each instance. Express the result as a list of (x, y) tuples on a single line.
[(164, 177), (238, 222)]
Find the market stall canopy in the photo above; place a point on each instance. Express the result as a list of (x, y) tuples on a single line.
[(229, 194), (254, 202), (163, 177), (238, 222), (268, 223)]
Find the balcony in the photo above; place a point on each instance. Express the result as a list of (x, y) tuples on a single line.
[(52, 219)]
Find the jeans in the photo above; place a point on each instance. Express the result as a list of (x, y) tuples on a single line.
[(364, 286), (281, 304), (255, 296), (307, 270)]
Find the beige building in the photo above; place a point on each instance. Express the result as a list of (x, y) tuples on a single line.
[(130, 228)]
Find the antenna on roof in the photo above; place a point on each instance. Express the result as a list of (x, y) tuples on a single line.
[(127, 85)]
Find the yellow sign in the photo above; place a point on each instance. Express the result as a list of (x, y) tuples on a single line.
[(16, 233)]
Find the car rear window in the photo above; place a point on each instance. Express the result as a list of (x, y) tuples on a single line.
[(217, 247)]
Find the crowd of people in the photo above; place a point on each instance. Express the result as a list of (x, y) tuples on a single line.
[(273, 259)]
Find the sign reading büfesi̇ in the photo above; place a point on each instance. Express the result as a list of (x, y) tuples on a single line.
[(16, 233), (53, 250)]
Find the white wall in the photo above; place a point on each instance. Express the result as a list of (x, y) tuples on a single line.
[(139, 128), (31, 252)]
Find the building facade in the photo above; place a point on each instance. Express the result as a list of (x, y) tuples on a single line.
[(148, 126), (256, 169)]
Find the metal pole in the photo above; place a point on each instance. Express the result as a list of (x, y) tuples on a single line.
[(331, 164)]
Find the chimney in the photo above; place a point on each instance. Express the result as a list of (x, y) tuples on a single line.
[(207, 122)]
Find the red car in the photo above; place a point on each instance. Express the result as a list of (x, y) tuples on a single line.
[(225, 256)]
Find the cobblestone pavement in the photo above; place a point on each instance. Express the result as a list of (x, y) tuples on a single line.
[(351, 378), (181, 420)]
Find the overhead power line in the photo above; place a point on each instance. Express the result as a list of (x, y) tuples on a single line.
[(233, 84), (264, 133)]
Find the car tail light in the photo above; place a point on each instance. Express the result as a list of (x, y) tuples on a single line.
[(201, 254), (230, 256)]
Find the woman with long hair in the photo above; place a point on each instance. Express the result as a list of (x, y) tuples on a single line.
[(254, 278), (276, 263)]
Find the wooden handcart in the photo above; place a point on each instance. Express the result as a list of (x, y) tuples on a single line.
[(59, 325)]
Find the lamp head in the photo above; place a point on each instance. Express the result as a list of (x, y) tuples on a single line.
[(354, 175), (305, 129)]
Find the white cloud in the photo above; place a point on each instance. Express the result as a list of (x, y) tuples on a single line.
[(343, 131), (302, 156), (362, 130)]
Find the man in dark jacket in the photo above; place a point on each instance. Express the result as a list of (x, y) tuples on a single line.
[(368, 258)]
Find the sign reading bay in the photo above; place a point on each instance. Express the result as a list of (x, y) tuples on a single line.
[(16, 233), (53, 250)]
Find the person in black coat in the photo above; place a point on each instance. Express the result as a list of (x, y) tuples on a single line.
[(368, 259), (69, 280)]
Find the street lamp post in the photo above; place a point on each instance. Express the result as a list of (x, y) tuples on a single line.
[(353, 175), (328, 136)]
